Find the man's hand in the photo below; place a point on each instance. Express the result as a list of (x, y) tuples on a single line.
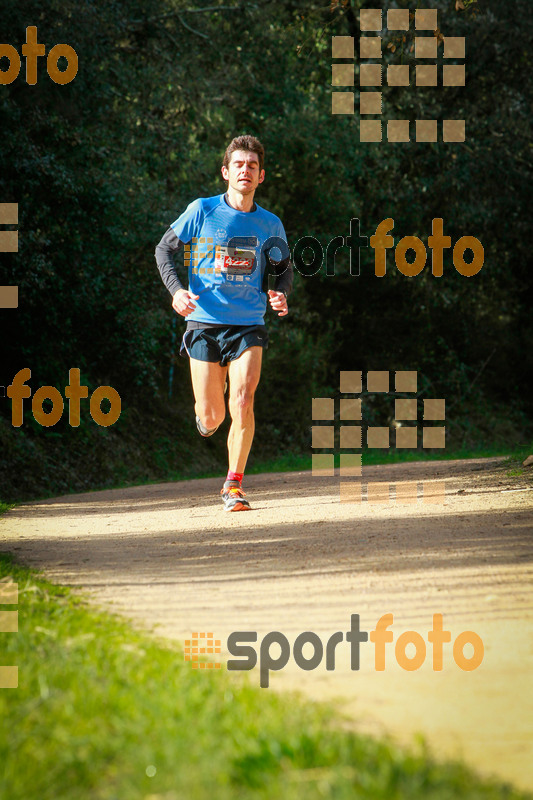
[(278, 301), (182, 302)]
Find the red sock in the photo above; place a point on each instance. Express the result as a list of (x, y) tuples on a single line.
[(235, 476)]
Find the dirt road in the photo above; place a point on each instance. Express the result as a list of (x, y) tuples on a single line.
[(169, 558)]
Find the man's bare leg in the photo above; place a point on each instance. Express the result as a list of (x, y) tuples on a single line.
[(244, 374), (208, 380)]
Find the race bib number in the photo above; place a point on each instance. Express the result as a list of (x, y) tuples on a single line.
[(239, 259)]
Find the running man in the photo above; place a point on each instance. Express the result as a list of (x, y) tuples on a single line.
[(227, 241)]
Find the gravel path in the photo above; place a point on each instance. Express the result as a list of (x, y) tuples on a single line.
[(303, 561)]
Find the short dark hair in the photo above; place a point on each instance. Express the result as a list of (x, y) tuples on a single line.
[(248, 143)]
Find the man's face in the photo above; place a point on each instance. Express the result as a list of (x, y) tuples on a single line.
[(243, 173)]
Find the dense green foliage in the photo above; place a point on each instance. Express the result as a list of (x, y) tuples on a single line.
[(102, 165), (104, 712)]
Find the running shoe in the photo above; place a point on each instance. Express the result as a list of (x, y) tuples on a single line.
[(233, 497), (205, 432)]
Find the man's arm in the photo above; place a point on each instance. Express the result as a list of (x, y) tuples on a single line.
[(282, 283), (284, 275), (164, 256)]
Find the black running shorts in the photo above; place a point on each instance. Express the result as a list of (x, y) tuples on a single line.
[(222, 344)]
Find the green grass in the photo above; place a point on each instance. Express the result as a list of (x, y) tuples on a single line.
[(103, 712), (300, 463), (303, 462)]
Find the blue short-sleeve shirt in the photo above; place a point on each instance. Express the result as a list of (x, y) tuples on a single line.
[(226, 257)]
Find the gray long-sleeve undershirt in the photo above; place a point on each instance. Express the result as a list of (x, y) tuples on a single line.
[(164, 256)]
